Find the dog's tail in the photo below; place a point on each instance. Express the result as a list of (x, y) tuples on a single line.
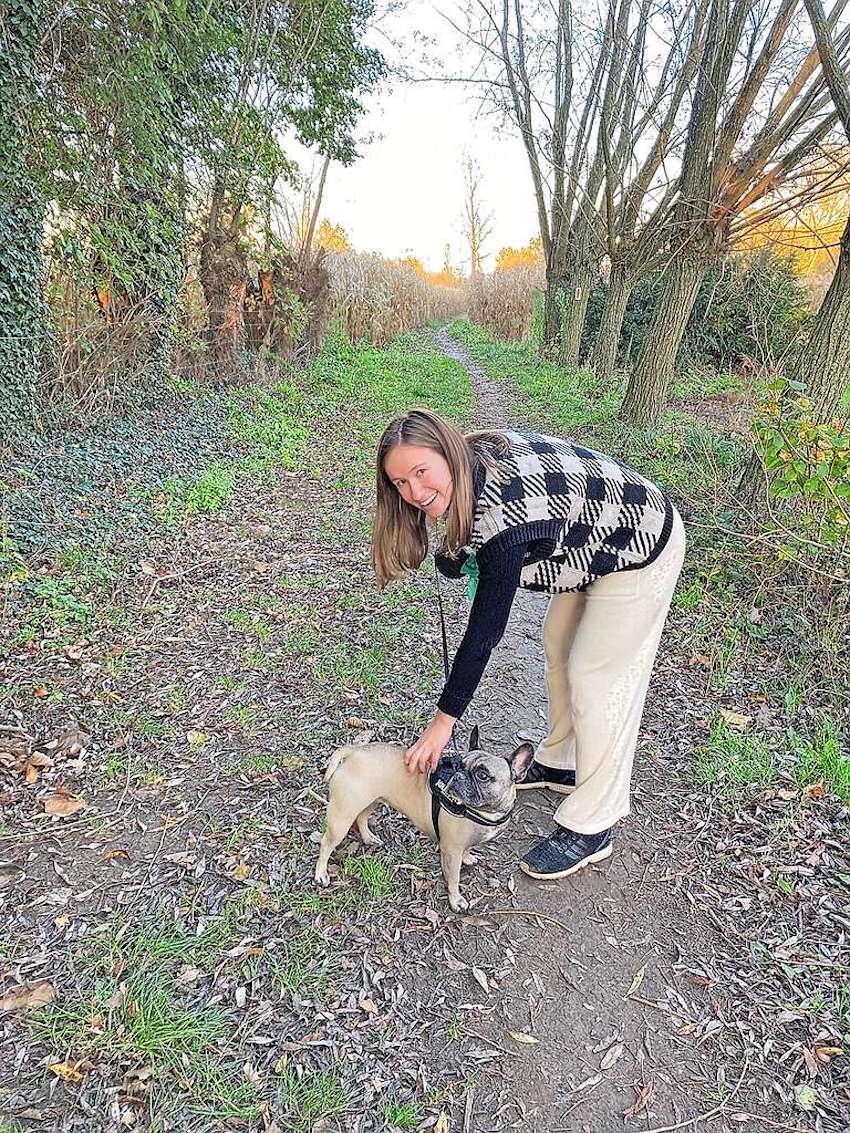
[(337, 759)]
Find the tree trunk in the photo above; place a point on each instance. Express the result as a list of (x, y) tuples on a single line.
[(224, 278), (574, 316), (824, 363), (649, 383), (22, 315), (604, 358), (565, 310), (554, 306)]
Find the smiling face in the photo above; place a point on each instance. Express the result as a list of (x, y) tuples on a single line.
[(422, 478)]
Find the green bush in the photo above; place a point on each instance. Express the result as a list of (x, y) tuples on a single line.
[(748, 306)]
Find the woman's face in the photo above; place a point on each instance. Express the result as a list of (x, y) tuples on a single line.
[(422, 478)]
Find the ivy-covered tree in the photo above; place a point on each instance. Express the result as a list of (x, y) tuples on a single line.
[(22, 324)]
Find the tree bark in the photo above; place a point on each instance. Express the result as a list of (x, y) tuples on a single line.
[(574, 315), (224, 278), (649, 383), (604, 357), (824, 363)]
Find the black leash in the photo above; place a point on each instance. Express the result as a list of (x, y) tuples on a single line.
[(445, 639), (440, 786)]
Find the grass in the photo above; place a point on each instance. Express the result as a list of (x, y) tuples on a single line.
[(375, 385), (402, 1115), (821, 759), (377, 878), (295, 969), (734, 760), (310, 1096), (127, 1007)]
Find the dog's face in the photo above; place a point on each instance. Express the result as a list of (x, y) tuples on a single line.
[(486, 781)]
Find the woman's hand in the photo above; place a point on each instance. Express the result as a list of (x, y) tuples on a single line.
[(425, 754)]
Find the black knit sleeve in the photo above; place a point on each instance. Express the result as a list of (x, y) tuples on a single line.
[(497, 584), (448, 566)]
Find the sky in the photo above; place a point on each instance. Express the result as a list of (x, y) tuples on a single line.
[(404, 195)]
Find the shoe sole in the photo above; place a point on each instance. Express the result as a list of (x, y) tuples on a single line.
[(561, 790), (599, 856)]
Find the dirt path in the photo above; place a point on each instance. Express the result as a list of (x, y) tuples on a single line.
[(608, 981), (613, 928)]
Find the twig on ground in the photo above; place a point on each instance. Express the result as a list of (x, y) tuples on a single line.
[(526, 913), (467, 1113), (709, 1113), (490, 1042)]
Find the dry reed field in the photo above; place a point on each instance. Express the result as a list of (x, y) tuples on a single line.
[(502, 301), (377, 299)]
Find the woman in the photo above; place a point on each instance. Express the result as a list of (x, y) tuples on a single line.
[(526, 510)]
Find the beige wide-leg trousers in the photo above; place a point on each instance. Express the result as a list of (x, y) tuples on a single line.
[(600, 646)]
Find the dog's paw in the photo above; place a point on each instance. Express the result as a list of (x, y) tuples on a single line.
[(321, 877), (470, 859), (458, 904), (370, 838)]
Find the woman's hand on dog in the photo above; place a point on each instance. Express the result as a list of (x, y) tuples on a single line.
[(425, 754)]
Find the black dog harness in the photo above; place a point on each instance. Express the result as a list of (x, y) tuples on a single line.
[(442, 796)]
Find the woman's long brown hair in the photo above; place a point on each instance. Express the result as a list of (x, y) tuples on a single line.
[(400, 535)]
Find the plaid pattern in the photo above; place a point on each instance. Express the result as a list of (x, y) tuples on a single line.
[(606, 517)]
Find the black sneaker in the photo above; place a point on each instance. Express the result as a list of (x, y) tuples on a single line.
[(564, 852), (555, 778)]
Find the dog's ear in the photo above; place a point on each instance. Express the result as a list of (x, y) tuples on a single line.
[(520, 762), (473, 739)]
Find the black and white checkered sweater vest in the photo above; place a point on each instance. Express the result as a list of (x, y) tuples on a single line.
[(603, 516)]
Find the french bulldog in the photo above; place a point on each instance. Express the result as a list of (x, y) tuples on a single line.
[(359, 776)]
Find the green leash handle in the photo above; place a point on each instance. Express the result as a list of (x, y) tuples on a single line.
[(470, 570)]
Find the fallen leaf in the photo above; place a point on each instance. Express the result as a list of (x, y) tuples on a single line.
[(814, 791), (442, 1123), (479, 976), (636, 982), (118, 852), (40, 691), (806, 1096), (252, 1074), (454, 964), (644, 1095), (28, 995), (522, 1037), (612, 1056), (827, 1053), (736, 719), (811, 1062), (62, 806), (196, 739), (368, 1005), (699, 659), (242, 871), (66, 1072), (10, 874), (588, 1083)]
